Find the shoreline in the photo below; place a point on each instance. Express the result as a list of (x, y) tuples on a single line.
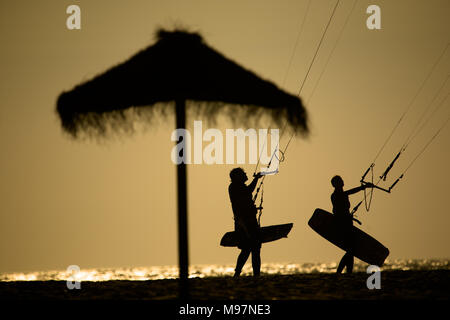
[(395, 285)]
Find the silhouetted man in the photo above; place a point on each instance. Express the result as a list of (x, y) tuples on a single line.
[(341, 210), (245, 223)]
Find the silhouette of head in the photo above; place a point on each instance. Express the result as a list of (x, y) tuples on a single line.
[(337, 182), (238, 175)]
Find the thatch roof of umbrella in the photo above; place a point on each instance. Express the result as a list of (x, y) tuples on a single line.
[(178, 66)]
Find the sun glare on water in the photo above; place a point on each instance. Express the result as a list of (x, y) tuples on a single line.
[(201, 271)]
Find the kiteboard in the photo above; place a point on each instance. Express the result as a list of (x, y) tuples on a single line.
[(267, 234), (362, 246)]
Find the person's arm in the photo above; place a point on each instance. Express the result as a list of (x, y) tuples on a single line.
[(357, 189), (252, 185)]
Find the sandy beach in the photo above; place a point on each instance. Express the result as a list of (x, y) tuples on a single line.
[(395, 285)]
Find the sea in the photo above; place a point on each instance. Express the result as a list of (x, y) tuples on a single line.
[(213, 270)]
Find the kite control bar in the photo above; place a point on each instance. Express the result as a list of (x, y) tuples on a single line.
[(267, 173), (376, 187), (383, 176), (383, 189), (372, 185)]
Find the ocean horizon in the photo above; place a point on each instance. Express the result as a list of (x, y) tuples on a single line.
[(214, 270)]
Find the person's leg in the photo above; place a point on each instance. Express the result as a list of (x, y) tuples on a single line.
[(241, 260), (347, 259), (342, 264), (350, 262), (256, 261), (350, 259)]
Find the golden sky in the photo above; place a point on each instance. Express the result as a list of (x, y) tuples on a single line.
[(109, 204)]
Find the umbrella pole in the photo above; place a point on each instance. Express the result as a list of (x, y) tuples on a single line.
[(180, 114)]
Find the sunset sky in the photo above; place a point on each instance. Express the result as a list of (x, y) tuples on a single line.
[(112, 203)]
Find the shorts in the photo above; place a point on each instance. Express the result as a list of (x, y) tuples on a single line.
[(250, 240)]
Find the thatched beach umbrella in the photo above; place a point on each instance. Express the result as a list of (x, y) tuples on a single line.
[(178, 67)]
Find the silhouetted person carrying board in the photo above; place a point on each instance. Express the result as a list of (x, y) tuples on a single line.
[(341, 209), (245, 222)]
